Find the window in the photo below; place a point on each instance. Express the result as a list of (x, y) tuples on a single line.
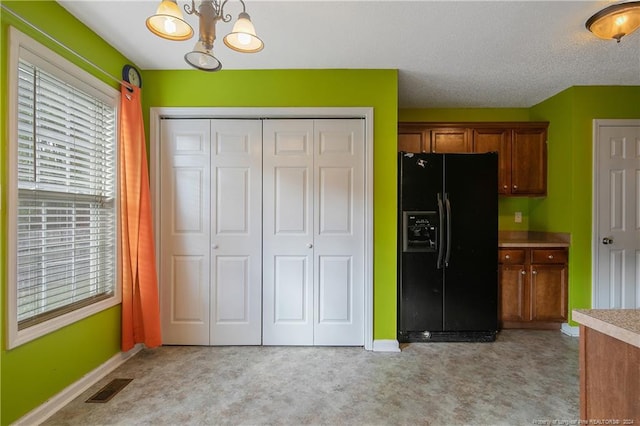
[(62, 200)]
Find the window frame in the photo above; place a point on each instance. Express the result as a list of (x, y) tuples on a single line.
[(46, 59)]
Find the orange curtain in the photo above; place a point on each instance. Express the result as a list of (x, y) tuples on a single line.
[(140, 307)]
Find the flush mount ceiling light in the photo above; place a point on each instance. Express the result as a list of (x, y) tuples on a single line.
[(169, 24), (615, 21)]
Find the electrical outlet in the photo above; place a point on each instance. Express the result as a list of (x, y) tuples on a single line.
[(518, 217)]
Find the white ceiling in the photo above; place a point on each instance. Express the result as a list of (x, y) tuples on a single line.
[(448, 53)]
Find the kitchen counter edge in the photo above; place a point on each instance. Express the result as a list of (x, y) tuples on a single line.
[(524, 239), (621, 324)]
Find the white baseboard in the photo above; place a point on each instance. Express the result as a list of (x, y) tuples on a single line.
[(570, 330), (68, 394), (386, 346)]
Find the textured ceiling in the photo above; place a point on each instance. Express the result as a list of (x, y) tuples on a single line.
[(448, 53)]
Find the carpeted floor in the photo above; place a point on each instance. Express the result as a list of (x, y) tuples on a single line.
[(524, 378)]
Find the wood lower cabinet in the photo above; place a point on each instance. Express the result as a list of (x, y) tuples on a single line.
[(533, 287), (609, 379), (521, 148)]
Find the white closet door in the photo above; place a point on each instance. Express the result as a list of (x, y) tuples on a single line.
[(184, 231), (313, 236), (287, 232), (339, 232), (236, 234)]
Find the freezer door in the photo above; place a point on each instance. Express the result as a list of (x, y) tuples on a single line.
[(471, 277), (419, 279)]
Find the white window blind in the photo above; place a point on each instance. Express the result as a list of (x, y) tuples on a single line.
[(66, 210)]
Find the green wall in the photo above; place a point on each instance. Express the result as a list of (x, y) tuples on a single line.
[(568, 205), (34, 372), (311, 88)]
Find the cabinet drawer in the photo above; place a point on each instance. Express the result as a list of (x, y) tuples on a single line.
[(511, 256), (549, 256)]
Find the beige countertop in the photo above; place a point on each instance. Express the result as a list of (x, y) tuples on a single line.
[(532, 239), (621, 324)]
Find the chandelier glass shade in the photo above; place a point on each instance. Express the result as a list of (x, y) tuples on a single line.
[(169, 24), (615, 21)]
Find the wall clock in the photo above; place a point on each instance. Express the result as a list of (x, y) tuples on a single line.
[(131, 75)]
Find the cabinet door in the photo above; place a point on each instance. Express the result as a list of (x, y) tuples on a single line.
[(511, 280), (496, 140), (413, 141), (450, 140), (529, 162), (548, 292)]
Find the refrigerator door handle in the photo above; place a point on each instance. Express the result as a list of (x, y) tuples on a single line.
[(440, 232), (448, 254)]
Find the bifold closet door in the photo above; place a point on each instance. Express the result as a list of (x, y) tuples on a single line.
[(236, 232), (313, 232), (185, 232), (211, 236)]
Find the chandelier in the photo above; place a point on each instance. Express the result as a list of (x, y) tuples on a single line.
[(615, 21), (169, 24)]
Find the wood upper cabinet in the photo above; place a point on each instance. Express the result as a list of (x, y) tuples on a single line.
[(413, 139), (450, 140), (533, 287), (420, 138), (496, 140), (521, 148), (529, 161)]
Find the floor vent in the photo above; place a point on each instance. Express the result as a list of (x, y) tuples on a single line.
[(109, 390)]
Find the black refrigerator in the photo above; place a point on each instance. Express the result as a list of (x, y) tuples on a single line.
[(447, 247)]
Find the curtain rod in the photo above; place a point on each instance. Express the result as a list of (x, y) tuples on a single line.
[(68, 49)]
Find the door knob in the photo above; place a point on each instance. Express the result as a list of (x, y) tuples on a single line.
[(607, 240)]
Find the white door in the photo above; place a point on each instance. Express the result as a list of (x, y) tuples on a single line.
[(287, 242), (210, 232), (313, 232), (236, 232), (185, 231), (617, 210)]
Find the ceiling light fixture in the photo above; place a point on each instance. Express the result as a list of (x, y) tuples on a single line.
[(169, 24), (615, 21)]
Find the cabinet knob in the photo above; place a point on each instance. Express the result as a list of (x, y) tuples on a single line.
[(309, 245), (523, 272), (534, 272), (505, 186), (550, 256), (507, 256), (515, 186), (214, 246)]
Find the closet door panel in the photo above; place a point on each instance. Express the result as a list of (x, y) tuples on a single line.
[(236, 239), (339, 232), (287, 232), (184, 232)]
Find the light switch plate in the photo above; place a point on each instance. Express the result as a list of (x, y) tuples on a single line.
[(518, 217)]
